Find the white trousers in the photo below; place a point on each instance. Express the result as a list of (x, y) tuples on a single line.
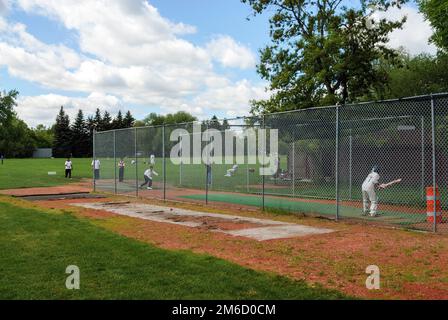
[(369, 195)]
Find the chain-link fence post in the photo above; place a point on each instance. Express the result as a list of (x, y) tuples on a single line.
[(434, 180), (264, 154), (337, 163), (115, 161), (208, 167), (164, 162), (423, 157), (94, 159), (136, 162), (350, 169)]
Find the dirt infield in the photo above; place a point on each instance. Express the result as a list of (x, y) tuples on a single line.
[(80, 187)]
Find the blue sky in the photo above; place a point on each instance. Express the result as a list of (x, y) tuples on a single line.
[(158, 56)]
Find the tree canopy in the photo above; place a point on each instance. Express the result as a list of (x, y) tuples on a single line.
[(436, 12), (323, 51)]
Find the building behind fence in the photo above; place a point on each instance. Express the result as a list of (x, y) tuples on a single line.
[(324, 155)]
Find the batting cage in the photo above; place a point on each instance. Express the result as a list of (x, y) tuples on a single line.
[(383, 162)]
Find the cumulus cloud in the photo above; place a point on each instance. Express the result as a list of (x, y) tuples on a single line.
[(127, 51), (230, 53), (414, 36), (42, 109)]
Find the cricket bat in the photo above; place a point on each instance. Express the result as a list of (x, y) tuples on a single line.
[(385, 185)]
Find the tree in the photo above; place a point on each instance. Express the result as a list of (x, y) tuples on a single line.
[(7, 104), (416, 75), (80, 136), (154, 119), (62, 135), (43, 136), (16, 139), (128, 121), (436, 11), (322, 51), (117, 123), (106, 124), (98, 120)]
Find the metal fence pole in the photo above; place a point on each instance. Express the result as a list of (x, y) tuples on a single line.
[(208, 169), (434, 180), (350, 166), (294, 168), (423, 157), (115, 161), (337, 163), (264, 154), (94, 159), (136, 162), (164, 162)]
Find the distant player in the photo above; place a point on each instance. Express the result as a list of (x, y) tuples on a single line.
[(369, 192), (231, 172), (68, 168), (2, 157), (96, 164), (152, 160), (121, 166), (148, 175)]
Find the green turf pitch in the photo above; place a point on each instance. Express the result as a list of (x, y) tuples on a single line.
[(37, 246), (311, 207)]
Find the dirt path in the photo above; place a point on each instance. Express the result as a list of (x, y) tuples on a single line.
[(412, 265)]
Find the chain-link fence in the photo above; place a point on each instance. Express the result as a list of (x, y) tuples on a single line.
[(374, 161)]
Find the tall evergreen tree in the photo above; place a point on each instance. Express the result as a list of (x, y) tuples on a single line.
[(107, 121), (117, 123), (128, 120), (98, 120), (62, 135), (80, 136)]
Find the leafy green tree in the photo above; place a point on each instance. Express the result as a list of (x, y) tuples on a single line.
[(7, 104), (416, 75), (43, 136), (436, 11), (98, 120), (62, 135), (322, 51), (154, 119)]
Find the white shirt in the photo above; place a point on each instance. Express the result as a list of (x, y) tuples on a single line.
[(68, 165), (152, 159), (96, 164), (149, 173), (370, 182)]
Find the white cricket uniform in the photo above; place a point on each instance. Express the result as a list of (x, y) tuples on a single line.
[(231, 171), (68, 165), (149, 173), (96, 164), (152, 159), (369, 193)]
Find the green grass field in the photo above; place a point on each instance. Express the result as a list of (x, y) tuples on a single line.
[(37, 246), (22, 173)]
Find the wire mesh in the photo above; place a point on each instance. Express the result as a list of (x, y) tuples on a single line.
[(314, 161)]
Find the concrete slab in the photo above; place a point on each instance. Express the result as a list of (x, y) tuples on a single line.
[(259, 229), (279, 232)]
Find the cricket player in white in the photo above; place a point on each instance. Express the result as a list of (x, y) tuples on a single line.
[(149, 173), (369, 192)]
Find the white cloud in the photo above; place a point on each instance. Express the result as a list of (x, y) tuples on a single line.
[(415, 34), (230, 53), (42, 109), (127, 51)]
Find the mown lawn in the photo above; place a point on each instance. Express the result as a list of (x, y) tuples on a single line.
[(37, 246), (22, 173)]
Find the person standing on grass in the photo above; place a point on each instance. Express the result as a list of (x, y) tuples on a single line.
[(149, 173), (96, 164), (121, 166), (68, 168), (2, 157)]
